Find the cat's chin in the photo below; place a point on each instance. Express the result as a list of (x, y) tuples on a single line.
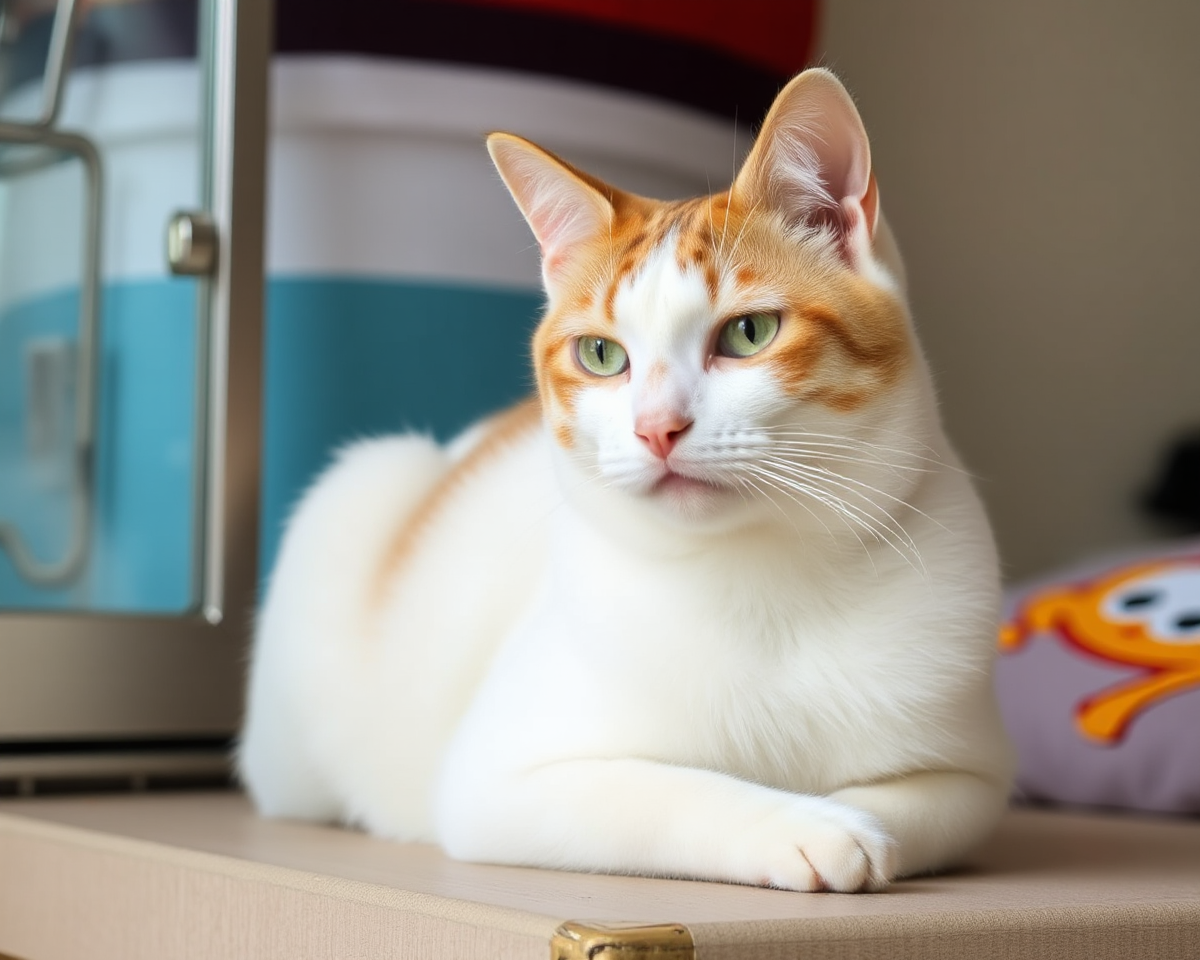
[(678, 485), (691, 498)]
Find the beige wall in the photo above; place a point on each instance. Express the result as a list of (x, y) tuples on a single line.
[(1040, 163)]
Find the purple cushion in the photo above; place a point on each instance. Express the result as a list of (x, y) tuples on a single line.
[(1099, 682)]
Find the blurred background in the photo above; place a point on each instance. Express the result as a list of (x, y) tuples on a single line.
[(1036, 160), (1038, 163)]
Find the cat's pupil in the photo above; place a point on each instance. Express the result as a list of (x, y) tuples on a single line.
[(600, 352), (748, 329), (1133, 601)]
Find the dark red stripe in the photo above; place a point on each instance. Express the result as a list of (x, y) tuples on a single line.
[(775, 34), (536, 41), (726, 58)]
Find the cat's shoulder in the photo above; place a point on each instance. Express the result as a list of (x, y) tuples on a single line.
[(491, 436)]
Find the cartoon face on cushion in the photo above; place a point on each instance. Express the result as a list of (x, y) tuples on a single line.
[(1164, 605), (1145, 616)]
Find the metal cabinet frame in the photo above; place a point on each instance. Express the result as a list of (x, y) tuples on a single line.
[(96, 680)]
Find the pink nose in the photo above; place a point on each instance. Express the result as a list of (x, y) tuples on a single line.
[(661, 434)]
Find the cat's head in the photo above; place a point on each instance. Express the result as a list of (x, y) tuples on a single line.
[(721, 357)]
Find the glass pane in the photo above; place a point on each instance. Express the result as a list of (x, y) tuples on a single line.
[(134, 91), (42, 199)]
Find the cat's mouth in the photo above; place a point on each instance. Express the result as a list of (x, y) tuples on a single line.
[(680, 484)]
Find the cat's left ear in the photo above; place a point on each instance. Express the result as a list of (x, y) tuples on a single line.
[(812, 163), (563, 206)]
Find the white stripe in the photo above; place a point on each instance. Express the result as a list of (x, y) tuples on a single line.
[(377, 167), (439, 100), (145, 118)]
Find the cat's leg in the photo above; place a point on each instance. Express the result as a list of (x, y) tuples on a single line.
[(934, 817), (637, 816), (307, 647)]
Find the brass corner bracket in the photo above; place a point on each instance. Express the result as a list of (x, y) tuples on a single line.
[(616, 941)]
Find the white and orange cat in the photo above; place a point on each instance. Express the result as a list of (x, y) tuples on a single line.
[(718, 603)]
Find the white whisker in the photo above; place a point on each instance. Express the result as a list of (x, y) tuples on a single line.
[(821, 454), (742, 230), (748, 481), (885, 526), (858, 444), (883, 493), (890, 530), (785, 485)]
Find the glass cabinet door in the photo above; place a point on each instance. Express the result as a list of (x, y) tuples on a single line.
[(105, 133), (131, 186), (101, 453)]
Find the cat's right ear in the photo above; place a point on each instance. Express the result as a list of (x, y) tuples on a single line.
[(563, 206), (812, 162)]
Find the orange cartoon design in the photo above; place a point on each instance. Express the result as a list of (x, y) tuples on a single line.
[(1145, 616)]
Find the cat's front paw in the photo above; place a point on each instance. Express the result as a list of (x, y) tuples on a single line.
[(816, 845)]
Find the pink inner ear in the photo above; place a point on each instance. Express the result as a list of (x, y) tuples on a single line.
[(838, 145), (845, 165), (813, 163), (561, 207), (563, 213), (870, 205), (849, 223), (557, 227)]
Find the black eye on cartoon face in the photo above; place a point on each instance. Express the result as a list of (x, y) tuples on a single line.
[(1141, 600), (1188, 622)]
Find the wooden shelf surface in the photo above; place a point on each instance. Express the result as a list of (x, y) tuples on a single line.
[(200, 875)]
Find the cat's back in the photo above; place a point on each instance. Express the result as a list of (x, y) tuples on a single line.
[(397, 519), (399, 573), (465, 565)]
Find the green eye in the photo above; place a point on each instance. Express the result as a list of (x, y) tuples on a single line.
[(604, 358), (746, 335)]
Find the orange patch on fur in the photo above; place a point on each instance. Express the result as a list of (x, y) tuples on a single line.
[(868, 345), (690, 254), (560, 377), (636, 241), (640, 226), (841, 356), (562, 433), (610, 299), (844, 401), (794, 355), (842, 341), (502, 430)]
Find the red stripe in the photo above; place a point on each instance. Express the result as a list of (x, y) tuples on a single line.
[(776, 34)]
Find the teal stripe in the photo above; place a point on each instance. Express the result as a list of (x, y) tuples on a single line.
[(345, 358), (141, 558), (348, 358)]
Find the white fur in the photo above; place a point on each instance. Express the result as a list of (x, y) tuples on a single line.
[(573, 673), (777, 672)]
